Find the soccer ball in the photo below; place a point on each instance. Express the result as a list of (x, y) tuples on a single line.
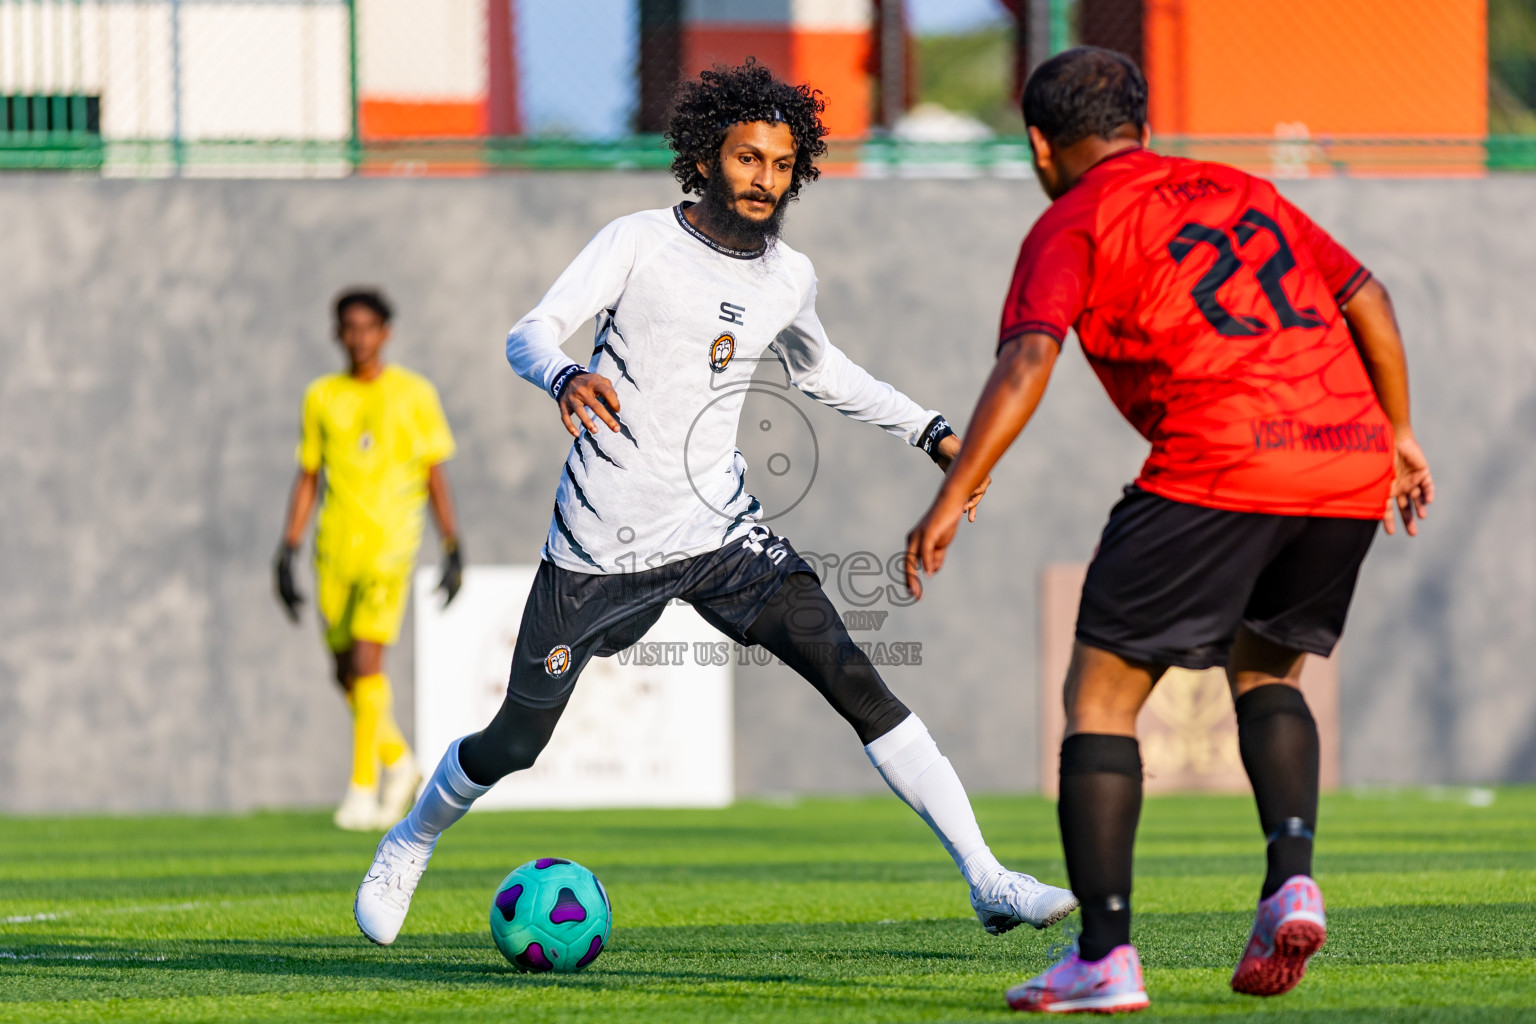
[(550, 915)]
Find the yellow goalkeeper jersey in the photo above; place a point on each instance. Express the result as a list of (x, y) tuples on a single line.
[(376, 441)]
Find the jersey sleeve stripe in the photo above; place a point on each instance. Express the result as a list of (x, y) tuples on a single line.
[(1032, 327), (1354, 284)]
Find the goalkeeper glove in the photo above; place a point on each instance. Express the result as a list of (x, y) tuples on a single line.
[(287, 591), (453, 570)]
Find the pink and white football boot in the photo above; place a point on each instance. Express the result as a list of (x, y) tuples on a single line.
[(1071, 985), (1288, 928)]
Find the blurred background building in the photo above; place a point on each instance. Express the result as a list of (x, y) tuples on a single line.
[(330, 87), (159, 328)]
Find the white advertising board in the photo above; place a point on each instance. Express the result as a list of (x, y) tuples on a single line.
[(633, 735)]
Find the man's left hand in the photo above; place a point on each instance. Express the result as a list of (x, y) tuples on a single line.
[(453, 571), (944, 457), (1413, 489)]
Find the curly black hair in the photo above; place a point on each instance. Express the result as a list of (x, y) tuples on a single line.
[(706, 107)]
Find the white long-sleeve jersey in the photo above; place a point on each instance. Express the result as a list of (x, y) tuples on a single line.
[(681, 323)]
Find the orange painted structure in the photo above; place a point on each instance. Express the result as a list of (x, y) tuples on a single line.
[(825, 43), (1401, 85), (836, 62), (1218, 67), (380, 119), (443, 73)]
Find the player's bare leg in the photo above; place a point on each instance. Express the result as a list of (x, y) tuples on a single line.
[(1099, 805), (1278, 740)]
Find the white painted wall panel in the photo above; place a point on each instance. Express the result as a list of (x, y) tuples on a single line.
[(833, 15), (134, 47), (424, 51), (264, 71)]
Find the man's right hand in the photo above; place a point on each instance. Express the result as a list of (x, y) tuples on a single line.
[(1413, 489), (930, 539), (585, 394), (282, 573)]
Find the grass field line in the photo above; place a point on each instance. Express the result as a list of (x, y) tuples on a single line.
[(8, 955), (159, 908)]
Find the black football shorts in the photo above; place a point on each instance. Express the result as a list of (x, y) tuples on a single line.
[(572, 617), (1171, 582)]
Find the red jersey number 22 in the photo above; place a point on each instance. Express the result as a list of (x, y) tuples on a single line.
[(1269, 274)]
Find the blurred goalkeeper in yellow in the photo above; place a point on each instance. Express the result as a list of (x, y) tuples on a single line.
[(379, 434)]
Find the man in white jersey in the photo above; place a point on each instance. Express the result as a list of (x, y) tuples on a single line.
[(688, 300)]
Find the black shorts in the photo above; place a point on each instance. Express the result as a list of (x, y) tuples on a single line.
[(572, 617), (1171, 582)]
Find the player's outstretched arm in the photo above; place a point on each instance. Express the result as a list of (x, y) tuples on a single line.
[(824, 372), (1373, 323), (301, 501), (440, 497), (839, 383), (1009, 399)]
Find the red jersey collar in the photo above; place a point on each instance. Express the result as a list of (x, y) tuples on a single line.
[(1116, 155)]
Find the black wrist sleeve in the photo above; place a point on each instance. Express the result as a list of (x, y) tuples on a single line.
[(563, 378), (937, 430)]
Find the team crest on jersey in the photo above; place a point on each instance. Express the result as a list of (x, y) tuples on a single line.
[(365, 442), (721, 351), (557, 661)]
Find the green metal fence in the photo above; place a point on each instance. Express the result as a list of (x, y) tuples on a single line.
[(102, 86), (880, 157)]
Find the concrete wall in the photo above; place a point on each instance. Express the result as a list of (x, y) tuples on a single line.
[(155, 338)]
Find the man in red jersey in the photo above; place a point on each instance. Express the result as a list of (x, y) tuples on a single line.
[(1264, 364)]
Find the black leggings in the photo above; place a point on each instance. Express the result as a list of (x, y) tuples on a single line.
[(800, 626)]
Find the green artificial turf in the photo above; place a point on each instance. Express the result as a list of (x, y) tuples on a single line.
[(835, 910)]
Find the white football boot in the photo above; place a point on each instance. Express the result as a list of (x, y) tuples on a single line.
[(398, 793), (1006, 899), (384, 898), (358, 811)]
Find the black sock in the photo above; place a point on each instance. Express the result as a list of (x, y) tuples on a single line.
[(1278, 740), (1099, 806)]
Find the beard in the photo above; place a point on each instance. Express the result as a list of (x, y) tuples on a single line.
[(717, 207)]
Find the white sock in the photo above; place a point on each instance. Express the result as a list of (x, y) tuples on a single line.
[(446, 799), (912, 766)]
